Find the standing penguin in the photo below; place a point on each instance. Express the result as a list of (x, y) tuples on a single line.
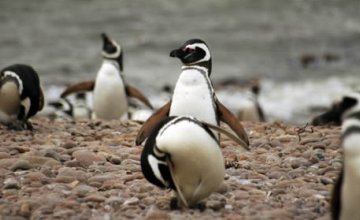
[(192, 166), (194, 94), (346, 194), (110, 91), (21, 96)]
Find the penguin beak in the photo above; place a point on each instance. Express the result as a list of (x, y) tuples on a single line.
[(108, 44), (106, 39), (179, 53)]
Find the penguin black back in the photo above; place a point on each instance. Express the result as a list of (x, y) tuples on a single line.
[(146, 167)]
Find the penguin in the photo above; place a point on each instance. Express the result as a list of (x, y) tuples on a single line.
[(77, 111), (346, 194), (252, 110), (21, 96), (330, 117), (183, 154), (193, 93), (110, 91)]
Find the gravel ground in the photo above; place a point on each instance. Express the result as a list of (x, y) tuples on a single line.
[(91, 170)]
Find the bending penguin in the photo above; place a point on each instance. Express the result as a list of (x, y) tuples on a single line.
[(194, 94), (110, 91), (346, 193), (21, 96), (191, 165)]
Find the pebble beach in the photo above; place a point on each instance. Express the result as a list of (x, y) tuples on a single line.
[(91, 170)]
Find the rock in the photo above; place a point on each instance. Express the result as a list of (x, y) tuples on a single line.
[(68, 144), (326, 180), (83, 190), (215, 205), (155, 214), (11, 183), (21, 165), (4, 155), (52, 154), (114, 201), (25, 209), (95, 198), (115, 160), (85, 158), (73, 173), (131, 201)]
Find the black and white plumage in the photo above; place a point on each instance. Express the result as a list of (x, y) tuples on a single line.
[(76, 110), (21, 96), (194, 94), (346, 194), (110, 91), (183, 154)]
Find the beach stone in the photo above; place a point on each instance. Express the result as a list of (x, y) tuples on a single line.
[(21, 165), (73, 173), (115, 160), (69, 144), (4, 155), (11, 183), (154, 214), (95, 198), (25, 209), (131, 201), (216, 205), (52, 154), (65, 213), (114, 201), (83, 190), (85, 158)]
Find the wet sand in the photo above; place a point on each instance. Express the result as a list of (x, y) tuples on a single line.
[(91, 170)]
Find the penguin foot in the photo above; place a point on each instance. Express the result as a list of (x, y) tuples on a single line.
[(20, 126), (201, 206), (174, 203)]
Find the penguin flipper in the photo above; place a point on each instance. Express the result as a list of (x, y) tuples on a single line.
[(149, 124), (336, 197), (175, 181), (79, 87), (229, 118), (229, 134), (132, 91)]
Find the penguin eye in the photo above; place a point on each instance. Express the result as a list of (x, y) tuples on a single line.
[(188, 50)]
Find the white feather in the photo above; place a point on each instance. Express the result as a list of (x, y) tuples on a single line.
[(193, 96), (198, 164), (110, 101)]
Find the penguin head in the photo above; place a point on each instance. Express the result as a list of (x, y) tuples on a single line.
[(62, 105), (194, 52), (340, 110), (112, 50)]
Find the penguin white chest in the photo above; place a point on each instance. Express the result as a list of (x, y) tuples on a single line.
[(193, 97), (110, 101), (350, 196), (198, 164)]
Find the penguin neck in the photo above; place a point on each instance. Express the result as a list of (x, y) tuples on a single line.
[(112, 62), (205, 64)]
